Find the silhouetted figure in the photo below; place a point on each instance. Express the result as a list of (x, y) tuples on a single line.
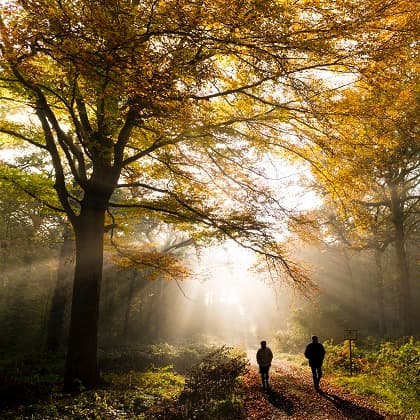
[(315, 353), (264, 358)]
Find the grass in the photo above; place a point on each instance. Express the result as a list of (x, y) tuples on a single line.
[(126, 396), (389, 373), (387, 396)]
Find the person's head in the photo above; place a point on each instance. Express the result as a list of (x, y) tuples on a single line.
[(314, 339), (263, 344)]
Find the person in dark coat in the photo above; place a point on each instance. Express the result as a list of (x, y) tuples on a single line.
[(315, 353), (264, 358)]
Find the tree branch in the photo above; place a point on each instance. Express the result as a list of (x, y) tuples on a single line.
[(22, 137)]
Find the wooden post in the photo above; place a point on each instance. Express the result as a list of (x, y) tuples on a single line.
[(351, 335)]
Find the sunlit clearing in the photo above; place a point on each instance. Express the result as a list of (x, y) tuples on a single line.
[(227, 301)]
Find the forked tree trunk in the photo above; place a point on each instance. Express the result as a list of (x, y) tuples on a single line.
[(402, 261), (81, 363)]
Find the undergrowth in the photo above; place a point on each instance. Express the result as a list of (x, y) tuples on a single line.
[(390, 373), (196, 382), (207, 386)]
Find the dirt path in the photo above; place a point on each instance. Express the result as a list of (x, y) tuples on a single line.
[(292, 396)]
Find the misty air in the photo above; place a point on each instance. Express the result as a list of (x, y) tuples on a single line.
[(209, 210)]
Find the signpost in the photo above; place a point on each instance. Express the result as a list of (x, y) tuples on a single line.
[(351, 335)]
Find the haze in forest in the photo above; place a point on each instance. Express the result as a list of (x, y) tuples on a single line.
[(206, 172)]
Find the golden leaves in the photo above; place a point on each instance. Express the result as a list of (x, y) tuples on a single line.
[(157, 265)]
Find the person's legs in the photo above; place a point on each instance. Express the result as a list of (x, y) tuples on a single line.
[(264, 376), (265, 379), (313, 373), (315, 377), (319, 373)]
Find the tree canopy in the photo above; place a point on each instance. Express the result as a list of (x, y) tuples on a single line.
[(367, 156), (170, 100)]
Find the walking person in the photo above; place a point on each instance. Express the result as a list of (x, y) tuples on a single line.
[(264, 359), (315, 353)]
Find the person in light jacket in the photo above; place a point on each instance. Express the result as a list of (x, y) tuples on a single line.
[(264, 359)]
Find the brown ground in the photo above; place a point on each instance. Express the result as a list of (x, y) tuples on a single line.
[(292, 396)]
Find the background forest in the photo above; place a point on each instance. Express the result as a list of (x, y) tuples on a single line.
[(138, 306)]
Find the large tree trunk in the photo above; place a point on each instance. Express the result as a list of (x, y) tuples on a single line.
[(60, 297), (402, 262), (81, 363)]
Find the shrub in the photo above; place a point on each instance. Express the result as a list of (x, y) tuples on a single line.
[(216, 374), (338, 358), (212, 387), (144, 357)]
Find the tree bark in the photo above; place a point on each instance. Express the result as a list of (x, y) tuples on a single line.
[(380, 292), (402, 261), (130, 298), (60, 298), (353, 315), (81, 363)]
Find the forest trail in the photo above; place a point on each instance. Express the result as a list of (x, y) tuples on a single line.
[(292, 396)]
